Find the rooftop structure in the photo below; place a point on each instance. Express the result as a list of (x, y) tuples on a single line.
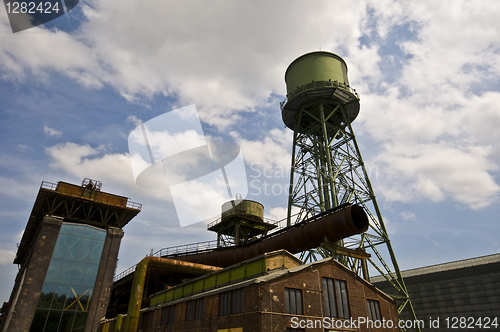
[(82, 204), (67, 257)]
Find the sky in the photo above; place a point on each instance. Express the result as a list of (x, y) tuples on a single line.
[(427, 73)]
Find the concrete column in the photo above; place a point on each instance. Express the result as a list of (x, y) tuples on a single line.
[(104, 280), (29, 281)]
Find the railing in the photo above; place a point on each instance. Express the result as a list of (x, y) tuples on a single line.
[(134, 205), (129, 204), (48, 185), (266, 220), (186, 249), (124, 273), (319, 84)]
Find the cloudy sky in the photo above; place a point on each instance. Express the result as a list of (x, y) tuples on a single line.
[(427, 72)]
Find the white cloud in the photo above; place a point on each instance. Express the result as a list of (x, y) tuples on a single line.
[(6, 256), (435, 171), (407, 215), (225, 57), (83, 161), (51, 132), (436, 124), (273, 150), (231, 57)]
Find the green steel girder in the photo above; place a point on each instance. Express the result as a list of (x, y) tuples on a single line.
[(328, 170)]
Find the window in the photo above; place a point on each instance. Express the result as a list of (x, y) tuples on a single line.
[(168, 315), (194, 310), (336, 298), (374, 310), (231, 303), (147, 320), (69, 283), (293, 301)]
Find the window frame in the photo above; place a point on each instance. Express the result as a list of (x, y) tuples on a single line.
[(227, 300), (288, 301), (376, 303), (167, 315), (196, 312), (333, 291)]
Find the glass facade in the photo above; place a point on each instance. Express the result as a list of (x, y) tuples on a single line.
[(70, 279)]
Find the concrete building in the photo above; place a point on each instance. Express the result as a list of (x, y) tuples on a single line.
[(270, 292), (455, 292), (67, 258)]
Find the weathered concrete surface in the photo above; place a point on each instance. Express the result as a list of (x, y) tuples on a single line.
[(29, 280), (104, 280)]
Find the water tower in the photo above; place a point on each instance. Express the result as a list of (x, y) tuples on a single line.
[(327, 169), (240, 222)]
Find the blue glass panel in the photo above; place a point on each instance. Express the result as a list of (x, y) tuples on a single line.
[(67, 321), (78, 230), (61, 246), (79, 273), (88, 232), (53, 321), (46, 296), (66, 229), (66, 272), (91, 275), (72, 301), (39, 320), (70, 279), (96, 252), (72, 249), (54, 270), (80, 297), (79, 322), (84, 251), (61, 293), (100, 235)]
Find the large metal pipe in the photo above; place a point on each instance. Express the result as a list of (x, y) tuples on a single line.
[(300, 237), (135, 301)]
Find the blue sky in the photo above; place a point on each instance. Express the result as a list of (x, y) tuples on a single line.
[(427, 74)]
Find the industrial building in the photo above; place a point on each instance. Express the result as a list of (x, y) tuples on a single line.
[(468, 289), (270, 292), (67, 258), (255, 285)]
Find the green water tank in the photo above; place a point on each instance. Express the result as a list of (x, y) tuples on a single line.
[(316, 67), (318, 78), (245, 209)]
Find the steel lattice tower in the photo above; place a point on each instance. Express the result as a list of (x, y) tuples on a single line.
[(327, 169)]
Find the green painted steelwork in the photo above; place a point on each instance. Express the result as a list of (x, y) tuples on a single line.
[(327, 169), (230, 275), (134, 306), (118, 323)]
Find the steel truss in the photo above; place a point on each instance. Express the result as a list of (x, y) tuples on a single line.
[(327, 171)]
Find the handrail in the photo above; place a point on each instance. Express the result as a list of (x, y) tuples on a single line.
[(266, 220)]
